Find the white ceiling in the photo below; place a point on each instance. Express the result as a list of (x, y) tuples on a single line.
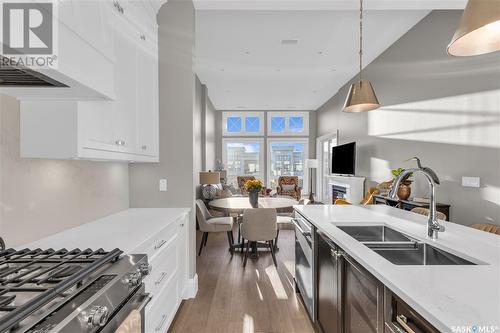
[(239, 55)]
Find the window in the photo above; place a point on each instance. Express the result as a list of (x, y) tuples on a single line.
[(243, 157), (324, 146), (288, 123), (286, 157), (242, 123)]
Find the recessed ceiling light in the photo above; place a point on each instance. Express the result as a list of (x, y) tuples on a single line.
[(247, 52), (320, 52), (333, 69), (315, 91), (222, 69), (278, 70), (289, 41)]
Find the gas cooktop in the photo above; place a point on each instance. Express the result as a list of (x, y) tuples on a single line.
[(66, 290)]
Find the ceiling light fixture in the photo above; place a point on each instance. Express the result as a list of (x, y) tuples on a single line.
[(361, 96), (479, 30), (320, 52)]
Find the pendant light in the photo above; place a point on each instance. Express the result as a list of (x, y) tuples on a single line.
[(361, 96), (479, 30)]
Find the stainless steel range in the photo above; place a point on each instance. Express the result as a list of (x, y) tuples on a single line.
[(71, 290)]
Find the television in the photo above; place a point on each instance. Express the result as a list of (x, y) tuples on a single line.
[(344, 159)]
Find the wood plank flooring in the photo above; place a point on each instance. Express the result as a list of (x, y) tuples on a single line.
[(233, 299)]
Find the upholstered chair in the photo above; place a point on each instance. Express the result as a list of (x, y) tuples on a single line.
[(289, 185), (259, 224), (491, 228), (241, 182), (208, 224)]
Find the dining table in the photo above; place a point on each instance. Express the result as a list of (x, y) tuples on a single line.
[(237, 205)]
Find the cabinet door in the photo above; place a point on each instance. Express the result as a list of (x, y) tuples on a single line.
[(328, 288), (124, 108), (95, 125), (147, 102), (363, 300)]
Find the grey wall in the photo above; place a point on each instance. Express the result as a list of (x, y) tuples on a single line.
[(42, 197), (179, 158), (445, 110), (211, 134)]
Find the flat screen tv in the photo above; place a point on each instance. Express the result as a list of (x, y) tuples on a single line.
[(344, 159)]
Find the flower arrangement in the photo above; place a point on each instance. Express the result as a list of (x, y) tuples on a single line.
[(253, 185)]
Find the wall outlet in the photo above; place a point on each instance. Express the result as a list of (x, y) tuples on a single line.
[(163, 185), (471, 182)]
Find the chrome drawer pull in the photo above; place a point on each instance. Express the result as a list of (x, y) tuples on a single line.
[(162, 322), (403, 321), (160, 244), (162, 276)]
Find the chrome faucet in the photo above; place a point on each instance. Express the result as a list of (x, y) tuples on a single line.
[(433, 226)]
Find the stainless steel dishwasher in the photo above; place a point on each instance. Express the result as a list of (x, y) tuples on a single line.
[(305, 234)]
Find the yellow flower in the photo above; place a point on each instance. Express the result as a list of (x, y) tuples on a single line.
[(253, 185)]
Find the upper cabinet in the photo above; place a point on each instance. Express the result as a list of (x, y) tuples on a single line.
[(124, 127)]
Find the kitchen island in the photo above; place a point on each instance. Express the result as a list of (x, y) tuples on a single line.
[(452, 298)]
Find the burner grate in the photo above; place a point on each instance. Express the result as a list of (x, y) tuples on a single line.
[(46, 274)]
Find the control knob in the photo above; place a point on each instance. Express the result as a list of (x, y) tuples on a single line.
[(98, 316)]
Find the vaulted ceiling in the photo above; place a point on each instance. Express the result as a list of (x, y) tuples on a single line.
[(254, 56)]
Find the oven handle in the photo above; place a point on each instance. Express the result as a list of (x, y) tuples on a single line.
[(147, 299), (297, 225)]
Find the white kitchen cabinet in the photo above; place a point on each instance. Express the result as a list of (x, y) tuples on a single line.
[(162, 234), (147, 101), (123, 129)]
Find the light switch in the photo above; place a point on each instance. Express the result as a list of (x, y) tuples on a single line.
[(163, 185), (471, 182)]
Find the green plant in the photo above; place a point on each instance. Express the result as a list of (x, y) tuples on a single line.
[(398, 171)]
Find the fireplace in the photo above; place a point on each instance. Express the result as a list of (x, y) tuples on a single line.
[(348, 188), (338, 192)]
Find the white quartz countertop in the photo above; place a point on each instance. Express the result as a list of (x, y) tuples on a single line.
[(449, 297), (124, 230)]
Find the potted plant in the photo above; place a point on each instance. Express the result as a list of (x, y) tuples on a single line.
[(404, 190), (253, 187)]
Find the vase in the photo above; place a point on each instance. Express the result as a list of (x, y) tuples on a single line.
[(404, 191), (253, 197)]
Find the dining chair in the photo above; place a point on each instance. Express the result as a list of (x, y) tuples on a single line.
[(491, 228), (209, 223), (259, 224), (426, 212)]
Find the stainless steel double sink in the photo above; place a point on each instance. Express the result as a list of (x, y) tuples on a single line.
[(401, 249)]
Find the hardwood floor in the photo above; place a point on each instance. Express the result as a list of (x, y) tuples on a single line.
[(258, 298)]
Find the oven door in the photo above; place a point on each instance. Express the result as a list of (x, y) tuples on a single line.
[(304, 272), (130, 316)]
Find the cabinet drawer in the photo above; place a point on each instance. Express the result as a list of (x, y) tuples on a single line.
[(159, 241), (164, 266), (161, 311)]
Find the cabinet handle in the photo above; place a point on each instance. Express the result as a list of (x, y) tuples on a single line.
[(118, 7), (336, 253), (120, 142), (162, 322), (143, 37), (144, 147), (181, 225), (403, 321), (163, 274), (160, 244)]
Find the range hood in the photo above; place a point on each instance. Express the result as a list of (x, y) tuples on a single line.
[(17, 76)]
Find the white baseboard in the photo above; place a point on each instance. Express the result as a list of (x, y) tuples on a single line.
[(191, 288)]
